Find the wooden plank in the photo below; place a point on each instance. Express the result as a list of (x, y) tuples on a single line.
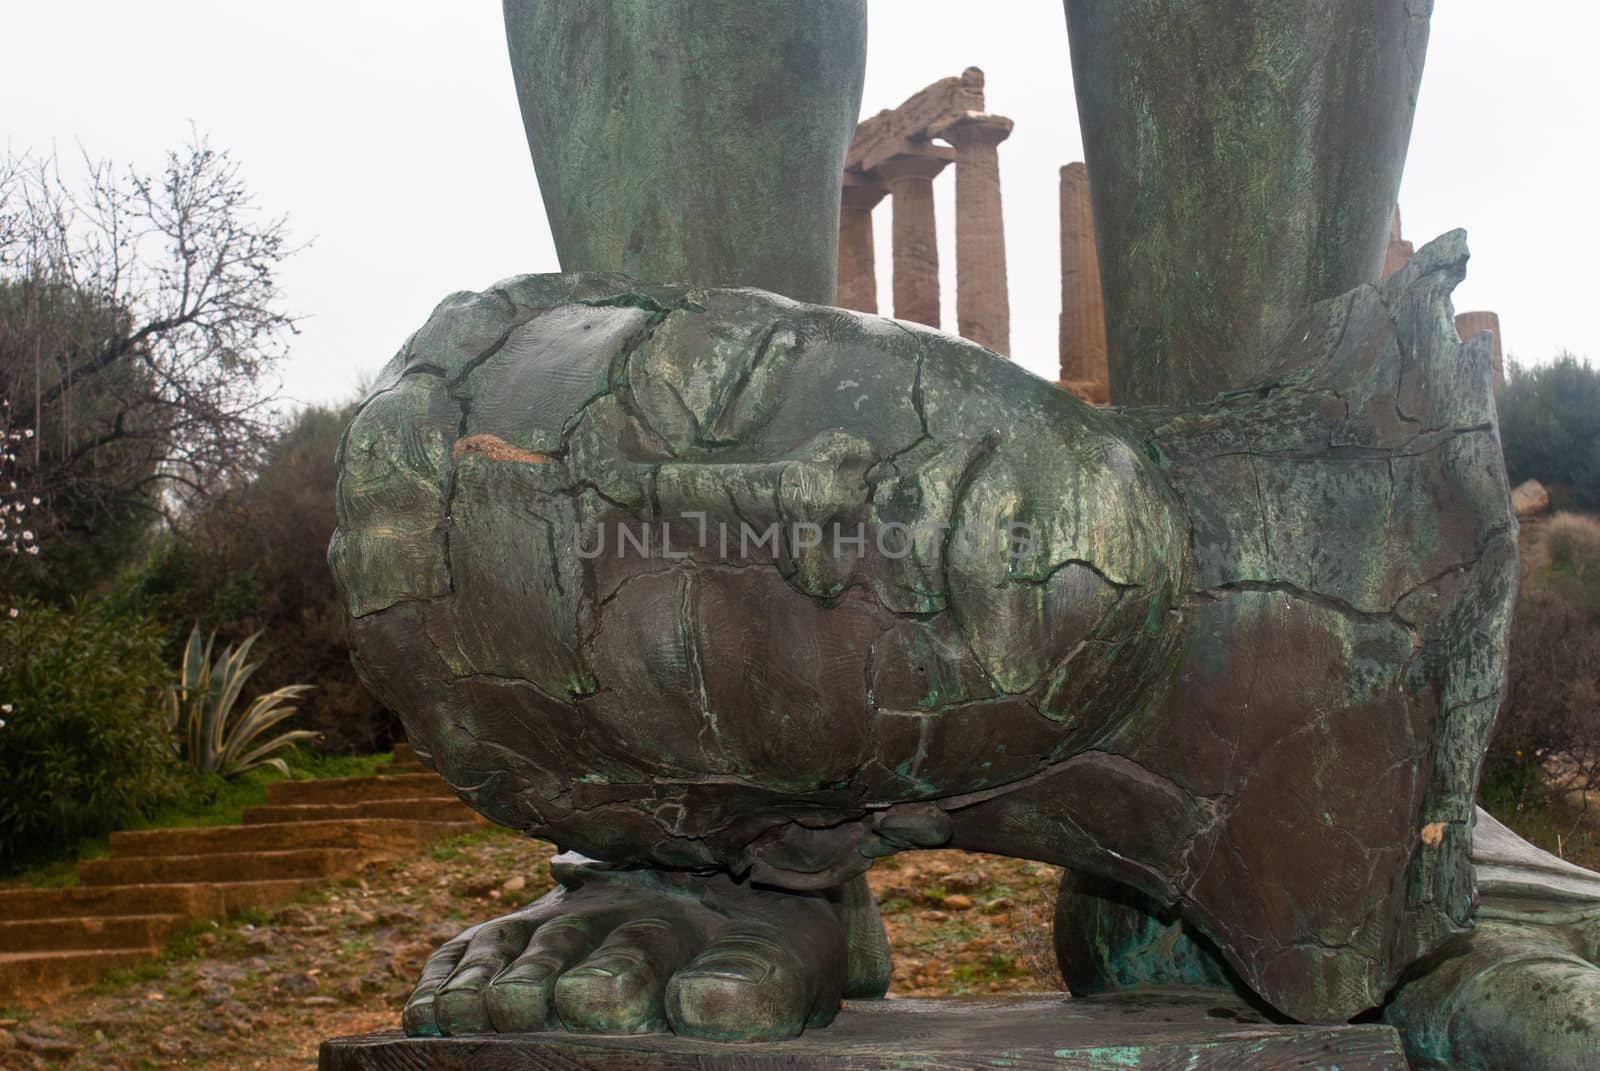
[(1150, 1032)]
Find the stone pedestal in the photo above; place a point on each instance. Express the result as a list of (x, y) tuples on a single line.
[(1083, 316), (1099, 1034), (983, 306), (858, 261), (916, 236)]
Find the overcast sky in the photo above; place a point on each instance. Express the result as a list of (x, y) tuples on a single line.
[(388, 131)]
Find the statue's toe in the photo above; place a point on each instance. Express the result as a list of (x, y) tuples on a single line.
[(635, 951), (520, 998), (748, 986), (420, 1017), (459, 1005), (621, 987)]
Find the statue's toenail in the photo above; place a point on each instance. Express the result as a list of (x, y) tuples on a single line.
[(732, 966), (594, 972), (720, 975)]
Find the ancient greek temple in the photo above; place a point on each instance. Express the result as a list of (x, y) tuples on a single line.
[(1083, 316), (897, 154), (900, 151), (1467, 323)]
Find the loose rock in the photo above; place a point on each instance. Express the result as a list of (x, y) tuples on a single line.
[(296, 985), (295, 916), (397, 916), (46, 1046), (1530, 499)]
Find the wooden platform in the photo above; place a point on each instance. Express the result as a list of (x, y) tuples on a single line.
[(1151, 1033)]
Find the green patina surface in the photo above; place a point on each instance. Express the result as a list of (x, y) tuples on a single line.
[(1243, 158), (692, 142), (1248, 667), (1259, 663)]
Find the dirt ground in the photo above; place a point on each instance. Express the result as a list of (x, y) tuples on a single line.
[(260, 991)]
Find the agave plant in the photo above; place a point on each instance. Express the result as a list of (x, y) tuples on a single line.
[(206, 732)]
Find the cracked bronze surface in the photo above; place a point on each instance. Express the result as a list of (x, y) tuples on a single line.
[(1250, 653)]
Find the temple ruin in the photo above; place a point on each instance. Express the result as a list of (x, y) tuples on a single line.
[(1468, 324), (899, 152), (1083, 316), (1398, 252), (1478, 320)]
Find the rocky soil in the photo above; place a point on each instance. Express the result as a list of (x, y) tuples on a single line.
[(260, 991)]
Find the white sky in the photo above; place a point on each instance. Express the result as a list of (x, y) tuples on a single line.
[(388, 131)]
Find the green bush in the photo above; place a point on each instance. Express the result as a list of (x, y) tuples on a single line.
[(84, 747), (1550, 429), (255, 559)]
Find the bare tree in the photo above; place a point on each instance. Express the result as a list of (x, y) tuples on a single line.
[(140, 322)]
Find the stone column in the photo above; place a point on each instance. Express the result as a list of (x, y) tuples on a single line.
[(858, 262), (983, 306), (1398, 252), (1083, 315), (1469, 324), (1397, 256), (916, 237)]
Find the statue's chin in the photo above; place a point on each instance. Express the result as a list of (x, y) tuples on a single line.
[(790, 845)]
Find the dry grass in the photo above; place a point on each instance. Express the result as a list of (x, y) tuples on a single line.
[(1544, 763), (1568, 544)]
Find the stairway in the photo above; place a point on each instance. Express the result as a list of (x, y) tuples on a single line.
[(158, 881)]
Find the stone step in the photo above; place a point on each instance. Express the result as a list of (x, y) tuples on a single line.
[(219, 866), (376, 836), (428, 809), (405, 761), (31, 975), (238, 895), (357, 789), (195, 901), (158, 881), (192, 900), (76, 934)]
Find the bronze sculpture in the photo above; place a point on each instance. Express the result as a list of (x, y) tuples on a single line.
[(1236, 648)]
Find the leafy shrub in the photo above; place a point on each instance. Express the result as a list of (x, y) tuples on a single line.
[(84, 746), (204, 728), (254, 559), (1550, 429)]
